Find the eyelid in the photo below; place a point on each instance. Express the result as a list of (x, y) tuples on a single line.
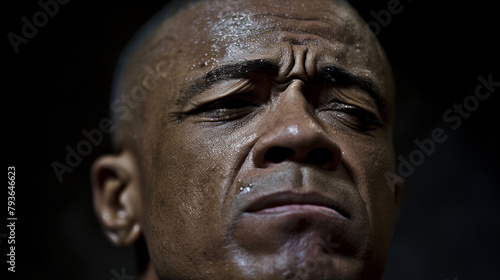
[(355, 105), (219, 91), (350, 96), (345, 105), (226, 109), (366, 115), (231, 100)]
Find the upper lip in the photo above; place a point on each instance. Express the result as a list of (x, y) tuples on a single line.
[(289, 198)]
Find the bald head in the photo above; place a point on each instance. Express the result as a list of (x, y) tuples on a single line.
[(252, 141), (134, 78)]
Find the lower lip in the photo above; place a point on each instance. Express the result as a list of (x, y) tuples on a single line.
[(299, 208)]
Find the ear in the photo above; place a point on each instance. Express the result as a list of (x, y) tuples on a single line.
[(117, 197)]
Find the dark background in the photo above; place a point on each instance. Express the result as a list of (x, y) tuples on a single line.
[(59, 82)]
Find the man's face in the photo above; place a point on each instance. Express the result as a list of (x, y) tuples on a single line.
[(264, 152)]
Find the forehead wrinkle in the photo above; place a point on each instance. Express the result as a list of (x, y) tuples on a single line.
[(304, 22), (251, 20), (294, 64), (322, 27), (331, 33)]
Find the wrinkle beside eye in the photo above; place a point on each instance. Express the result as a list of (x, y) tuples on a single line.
[(351, 116), (227, 101), (217, 92), (352, 96)]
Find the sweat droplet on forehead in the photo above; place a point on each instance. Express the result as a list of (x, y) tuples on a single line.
[(227, 32), (236, 33), (220, 33)]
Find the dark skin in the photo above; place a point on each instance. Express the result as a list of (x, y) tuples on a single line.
[(263, 154)]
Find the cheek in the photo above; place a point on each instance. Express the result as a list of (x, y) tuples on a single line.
[(190, 175), (368, 162)]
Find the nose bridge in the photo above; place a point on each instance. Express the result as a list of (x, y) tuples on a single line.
[(293, 117), (293, 112), (292, 133)]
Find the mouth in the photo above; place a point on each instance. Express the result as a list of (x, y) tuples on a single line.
[(291, 202)]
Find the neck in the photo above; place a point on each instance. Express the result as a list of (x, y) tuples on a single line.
[(149, 273)]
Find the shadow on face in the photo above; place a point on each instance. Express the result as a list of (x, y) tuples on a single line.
[(262, 148)]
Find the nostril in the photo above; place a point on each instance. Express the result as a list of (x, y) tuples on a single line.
[(278, 154), (320, 156)]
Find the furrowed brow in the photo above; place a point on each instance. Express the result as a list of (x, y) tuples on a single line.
[(340, 76), (240, 70)]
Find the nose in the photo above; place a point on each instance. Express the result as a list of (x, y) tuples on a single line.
[(293, 134)]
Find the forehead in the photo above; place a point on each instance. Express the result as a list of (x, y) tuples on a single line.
[(221, 25), (251, 19), (217, 25), (212, 33)]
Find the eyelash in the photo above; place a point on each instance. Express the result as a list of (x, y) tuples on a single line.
[(359, 119), (237, 107), (226, 109)]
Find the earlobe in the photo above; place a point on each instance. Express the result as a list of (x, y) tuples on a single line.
[(117, 199)]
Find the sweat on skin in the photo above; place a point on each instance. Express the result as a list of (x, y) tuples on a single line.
[(263, 151)]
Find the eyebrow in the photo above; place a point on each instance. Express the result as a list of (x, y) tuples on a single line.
[(239, 70), (339, 76), (335, 75)]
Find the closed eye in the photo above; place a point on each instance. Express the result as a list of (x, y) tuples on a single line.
[(228, 108), (354, 116)]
